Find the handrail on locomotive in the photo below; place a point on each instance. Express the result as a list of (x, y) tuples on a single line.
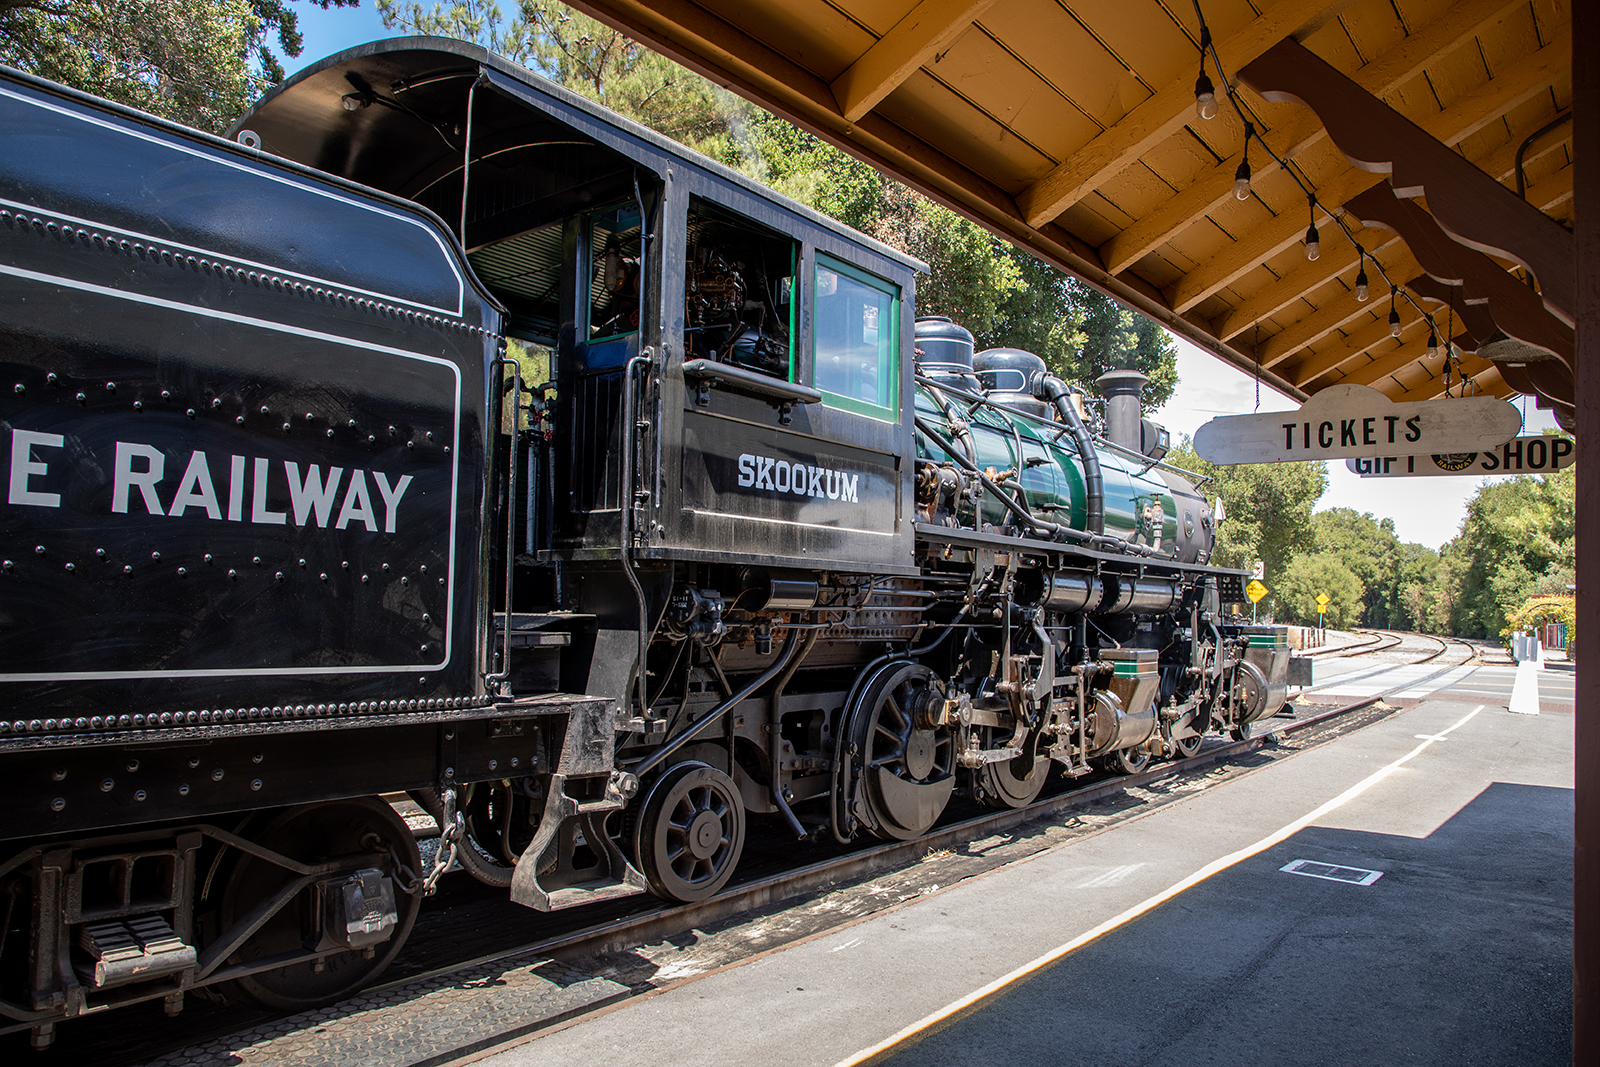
[(770, 544)]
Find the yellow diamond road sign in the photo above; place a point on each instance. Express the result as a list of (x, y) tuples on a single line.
[(1255, 591), (1323, 600)]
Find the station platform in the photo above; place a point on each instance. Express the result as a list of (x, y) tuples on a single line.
[(1429, 922)]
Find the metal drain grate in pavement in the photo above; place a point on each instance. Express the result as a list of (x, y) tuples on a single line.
[(1332, 872)]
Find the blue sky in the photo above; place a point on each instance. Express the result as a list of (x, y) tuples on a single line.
[(1426, 510)]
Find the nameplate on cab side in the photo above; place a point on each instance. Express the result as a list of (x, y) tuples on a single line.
[(1358, 422)]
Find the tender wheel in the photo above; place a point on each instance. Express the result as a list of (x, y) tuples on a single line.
[(907, 764), (689, 832), (1015, 783), (1241, 731), (364, 831), (1127, 761)]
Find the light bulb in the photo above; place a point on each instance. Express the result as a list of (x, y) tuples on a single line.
[(1241, 181), (1433, 343), (1394, 323), (1205, 97), (1362, 290), (1313, 244)]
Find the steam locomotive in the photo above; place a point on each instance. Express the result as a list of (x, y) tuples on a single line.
[(289, 529)]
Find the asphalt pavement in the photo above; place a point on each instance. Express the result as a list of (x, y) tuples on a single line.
[(1428, 922)]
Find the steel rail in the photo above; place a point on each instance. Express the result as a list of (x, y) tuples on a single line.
[(616, 934), (629, 931)]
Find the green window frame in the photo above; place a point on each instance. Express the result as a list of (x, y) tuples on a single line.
[(855, 339)]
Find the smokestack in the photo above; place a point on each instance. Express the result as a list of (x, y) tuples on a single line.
[(1121, 389)]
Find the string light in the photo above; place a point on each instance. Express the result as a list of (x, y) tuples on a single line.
[(1241, 177), (1433, 341), (1205, 94), (1206, 104)]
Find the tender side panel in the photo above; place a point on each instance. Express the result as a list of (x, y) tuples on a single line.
[(243, 432)]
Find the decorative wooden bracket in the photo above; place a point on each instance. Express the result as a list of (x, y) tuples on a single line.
[(1515, 308), (1470, 206), (1549, 381)]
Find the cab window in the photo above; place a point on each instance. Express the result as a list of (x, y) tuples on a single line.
[(738, 292), (614, 273), (855, 328)]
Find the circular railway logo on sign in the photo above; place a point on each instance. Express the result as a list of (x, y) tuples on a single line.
[(1455, 461)]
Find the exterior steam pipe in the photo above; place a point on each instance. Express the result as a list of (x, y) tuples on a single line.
[(1053, 389)]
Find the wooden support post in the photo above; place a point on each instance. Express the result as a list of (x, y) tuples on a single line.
[(1586, 747)]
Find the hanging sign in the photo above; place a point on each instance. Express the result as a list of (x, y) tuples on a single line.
[(1358, 422), (1530, 454)]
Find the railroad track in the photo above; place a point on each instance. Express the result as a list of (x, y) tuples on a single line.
[(1387, 640), (638, 922)]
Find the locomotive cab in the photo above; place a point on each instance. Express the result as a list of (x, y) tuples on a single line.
[(446, 434)]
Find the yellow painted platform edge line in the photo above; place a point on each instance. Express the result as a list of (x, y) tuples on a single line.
[(882, 1049)]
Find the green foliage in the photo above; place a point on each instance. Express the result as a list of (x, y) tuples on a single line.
[(1544, 608), (1417, 590), (590, 58), (1516, 540), (1267, 508), (1295, 598), (199, 62), (1397, 579)]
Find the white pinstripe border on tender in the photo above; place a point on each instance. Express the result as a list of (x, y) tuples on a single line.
[(226, 316)]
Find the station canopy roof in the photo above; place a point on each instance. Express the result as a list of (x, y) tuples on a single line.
[(1071, 128)]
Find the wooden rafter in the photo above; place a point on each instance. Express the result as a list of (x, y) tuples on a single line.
[(1471, 206), (1380, 77), (929, 27), (1338, 258), (1334, 315), (1160, 116), (1357, 344), (1517, 310), (1517, 85)]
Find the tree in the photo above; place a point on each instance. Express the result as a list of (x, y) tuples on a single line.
[(1005, 296), (1517, 540), (199, 62), (1267, 508), (1418, 589), (1371, 551), (1545, 608), (1304, 577)]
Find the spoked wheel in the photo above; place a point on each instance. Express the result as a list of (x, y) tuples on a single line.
[(1184, 747), (365, 831), (1017, 782), (907, 764), (1127, 760), (688, 832)]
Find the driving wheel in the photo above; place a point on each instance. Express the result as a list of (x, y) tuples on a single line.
[(1127, 760), (688, 832), (1016, 782), (906, 759)]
